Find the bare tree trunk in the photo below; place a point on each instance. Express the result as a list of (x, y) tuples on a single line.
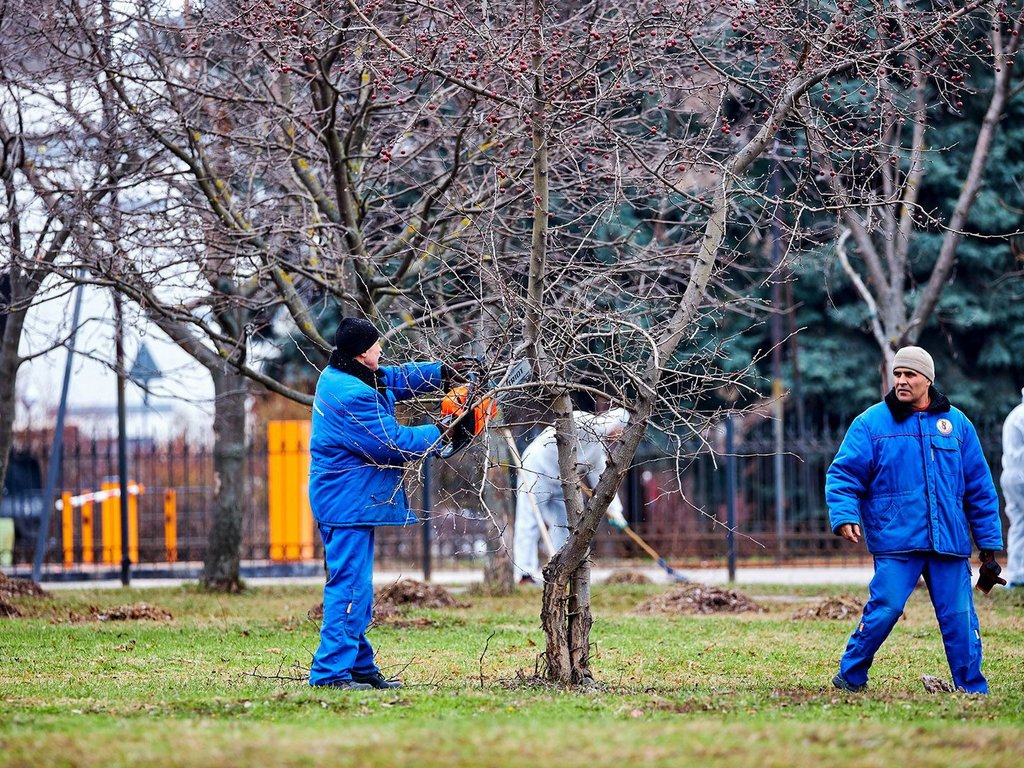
[(567, 575), (499, 498), (221, 567), (499, 493), (9, 364), (556, 631), (11, 324), (580, 621)]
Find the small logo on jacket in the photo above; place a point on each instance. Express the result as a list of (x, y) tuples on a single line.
[(945, 426)]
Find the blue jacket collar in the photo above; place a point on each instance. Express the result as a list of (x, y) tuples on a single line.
[(352, 367), (901, 411)]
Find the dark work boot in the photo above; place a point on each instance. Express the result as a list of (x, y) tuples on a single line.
[(375, 680), (840, 682)]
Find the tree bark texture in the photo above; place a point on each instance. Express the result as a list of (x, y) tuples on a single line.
[(565, 613), (9, 364), (223, 552)]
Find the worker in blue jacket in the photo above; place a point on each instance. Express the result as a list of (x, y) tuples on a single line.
[(911, 475), (357, 453)]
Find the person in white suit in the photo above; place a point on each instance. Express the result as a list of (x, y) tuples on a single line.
[(539, 489), (1012, 481)]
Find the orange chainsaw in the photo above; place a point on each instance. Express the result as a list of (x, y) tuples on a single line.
[(469, 413)]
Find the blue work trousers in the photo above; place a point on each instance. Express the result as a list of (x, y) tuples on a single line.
[(949, 586), (348, 606)]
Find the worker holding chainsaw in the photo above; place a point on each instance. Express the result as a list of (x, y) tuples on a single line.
[(357, 452), (540, 504), (911, 478)]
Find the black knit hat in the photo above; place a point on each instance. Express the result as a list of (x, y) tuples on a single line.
[(354, 336)]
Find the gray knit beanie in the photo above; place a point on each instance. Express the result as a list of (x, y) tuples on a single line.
[(916, 359)]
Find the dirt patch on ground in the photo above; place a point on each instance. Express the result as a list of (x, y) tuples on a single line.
[(841, 607), (389, 602), (136, 612), (8, 611), (19, 588), (627, 577), (699, 599)]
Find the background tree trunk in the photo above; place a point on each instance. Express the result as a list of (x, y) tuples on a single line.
[(499, 498), (499, 576), (221, 567), (8, 375)]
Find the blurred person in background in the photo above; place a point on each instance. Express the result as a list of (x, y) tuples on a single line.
[(539, 487), (1012, 482)]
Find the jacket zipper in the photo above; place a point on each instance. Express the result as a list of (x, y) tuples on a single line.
[(927, 477)]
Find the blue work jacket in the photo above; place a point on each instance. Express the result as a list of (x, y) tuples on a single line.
[(914, 481), (358, 449)]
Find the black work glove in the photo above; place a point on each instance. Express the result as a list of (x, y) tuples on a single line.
[(456, 432), (462, 370), (988, 574)]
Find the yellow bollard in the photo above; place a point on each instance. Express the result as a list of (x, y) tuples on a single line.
[(302, 503), (88, 544), (67, 516), (133, 520), (275, 498), (110, 524), (171, 524)]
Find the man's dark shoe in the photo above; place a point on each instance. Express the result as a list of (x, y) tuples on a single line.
[(375, 680), (346, 685), (840, 682)]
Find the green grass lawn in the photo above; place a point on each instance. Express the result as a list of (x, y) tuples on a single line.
[(222, 684)]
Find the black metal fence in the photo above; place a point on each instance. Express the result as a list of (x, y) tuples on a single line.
[(677, 506)]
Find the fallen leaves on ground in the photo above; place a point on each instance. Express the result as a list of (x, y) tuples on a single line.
[(135, 612), (416, 593), (19, 588), (936, 685), (404, 593), (627, 577), (841, 607), (699, 598)]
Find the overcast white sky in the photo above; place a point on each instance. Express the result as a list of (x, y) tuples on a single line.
[(180, 401)]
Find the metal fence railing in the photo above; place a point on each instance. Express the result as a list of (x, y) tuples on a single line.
[(679, 507)]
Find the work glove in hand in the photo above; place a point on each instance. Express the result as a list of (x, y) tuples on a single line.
[(988, 574), (462, 370), (456, 432), (616, 519)]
